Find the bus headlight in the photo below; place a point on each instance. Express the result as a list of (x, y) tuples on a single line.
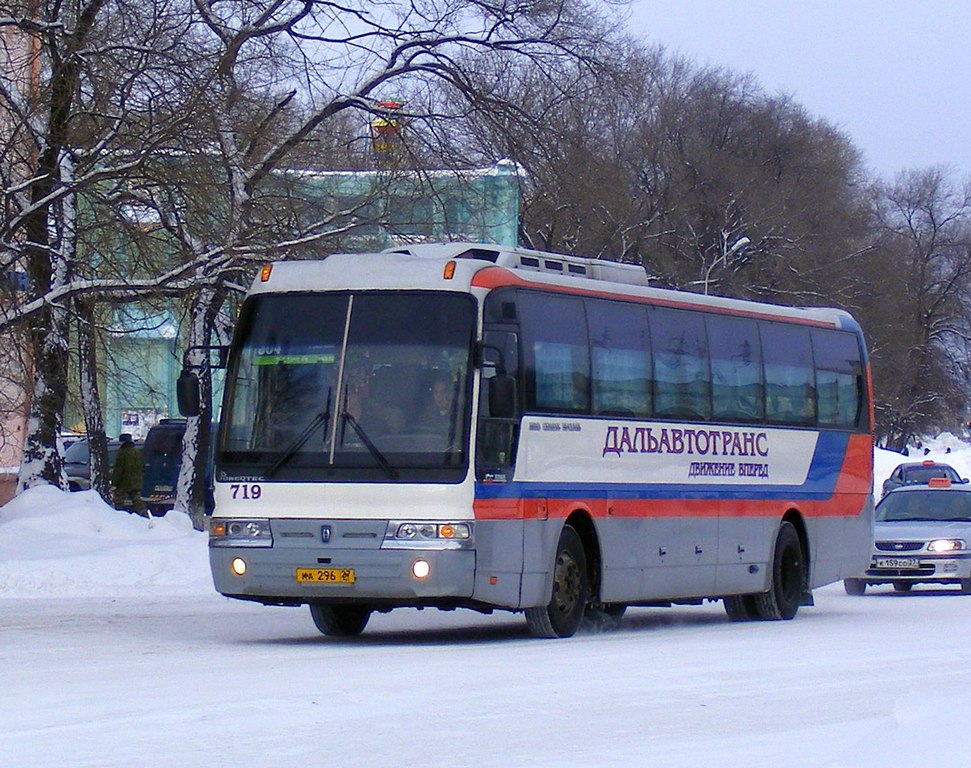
[(945, 545), (421, 535), (240, 533)]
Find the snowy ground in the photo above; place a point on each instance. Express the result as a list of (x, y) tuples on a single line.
[(115, 651)]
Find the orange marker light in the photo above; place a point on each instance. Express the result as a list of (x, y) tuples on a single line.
[(446, 531), (265, 272), (449, 271)]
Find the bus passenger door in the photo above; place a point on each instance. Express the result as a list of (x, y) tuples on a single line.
[(500, 513), (497, 428)]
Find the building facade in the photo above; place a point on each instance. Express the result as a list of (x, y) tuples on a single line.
[(143, 353)]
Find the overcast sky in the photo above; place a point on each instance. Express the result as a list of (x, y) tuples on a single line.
[(895, 76)]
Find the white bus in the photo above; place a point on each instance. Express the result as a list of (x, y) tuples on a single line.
[(486, 427)]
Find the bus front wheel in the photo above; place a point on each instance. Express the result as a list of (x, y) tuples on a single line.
[(340, 620), (561, 617)]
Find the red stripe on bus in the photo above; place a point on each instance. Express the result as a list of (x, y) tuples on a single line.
[(838, 505)]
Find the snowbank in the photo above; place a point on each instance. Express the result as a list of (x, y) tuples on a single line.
[(63, 544), (937, 450)]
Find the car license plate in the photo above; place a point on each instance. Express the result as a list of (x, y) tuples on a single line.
[(325, 575), (897, 562)]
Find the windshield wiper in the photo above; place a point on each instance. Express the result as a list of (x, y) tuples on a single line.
[(375, 451), (320, 419)]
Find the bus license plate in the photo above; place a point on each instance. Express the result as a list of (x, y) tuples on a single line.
[(897, 562), (325, 575)]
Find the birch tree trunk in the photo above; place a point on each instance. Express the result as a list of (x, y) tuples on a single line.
[(192, 486), (52, 238), (91, 399)]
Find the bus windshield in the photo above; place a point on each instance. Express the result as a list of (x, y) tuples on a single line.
[(369, 386)]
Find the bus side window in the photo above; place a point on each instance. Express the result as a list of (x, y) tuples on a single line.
[(556, 354), (682, 381), (736, 369), (790, 385), (839, 377), (620, 357)]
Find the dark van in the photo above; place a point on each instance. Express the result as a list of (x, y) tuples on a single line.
[(163, 461), (162, 453)]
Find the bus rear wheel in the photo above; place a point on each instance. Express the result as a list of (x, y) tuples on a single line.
[(561, 617), (788, 577), (741, 607), (340, 620)]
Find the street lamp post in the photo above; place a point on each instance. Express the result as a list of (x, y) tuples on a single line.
[(727, 252)]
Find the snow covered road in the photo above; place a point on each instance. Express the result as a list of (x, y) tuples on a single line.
[(203, 681)]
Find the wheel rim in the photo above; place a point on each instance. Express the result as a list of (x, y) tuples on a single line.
[(567, 584)]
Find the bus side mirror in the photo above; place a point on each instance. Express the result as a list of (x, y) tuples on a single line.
[(502, 396), (187, 393)]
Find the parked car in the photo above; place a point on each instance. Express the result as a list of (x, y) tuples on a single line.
[(163, 462), (922, 534), (77, 464), (69, 438), (918, 473)]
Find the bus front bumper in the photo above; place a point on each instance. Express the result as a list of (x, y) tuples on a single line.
[(393, 577)]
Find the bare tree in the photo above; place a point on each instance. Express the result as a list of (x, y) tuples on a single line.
[(192, 111), (921, 323), (88, 114), (697, 174)]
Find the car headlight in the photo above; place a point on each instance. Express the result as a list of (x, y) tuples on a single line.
[(414, 535), (240, 533), (945, 545)]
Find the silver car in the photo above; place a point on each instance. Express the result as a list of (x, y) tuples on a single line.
[(918, 473), (922, 535)]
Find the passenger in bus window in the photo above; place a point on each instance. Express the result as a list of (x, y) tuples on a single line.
[(440, 415), (442, 397)]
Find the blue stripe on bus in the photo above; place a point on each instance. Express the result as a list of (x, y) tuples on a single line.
[(824, 471)]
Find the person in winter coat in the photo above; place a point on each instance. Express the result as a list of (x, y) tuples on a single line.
[(126, 477)]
